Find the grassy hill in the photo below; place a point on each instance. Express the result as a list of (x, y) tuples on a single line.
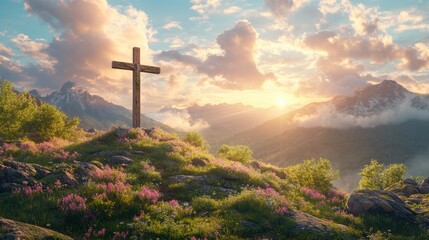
[(147, 184)]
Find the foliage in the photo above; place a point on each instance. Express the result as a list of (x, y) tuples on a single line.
[(378, 176), (22, 116), (195, 139), (315, 174), (238, 153)]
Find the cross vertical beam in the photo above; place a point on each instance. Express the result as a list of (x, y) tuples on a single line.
[(136, 68), (136, 88)]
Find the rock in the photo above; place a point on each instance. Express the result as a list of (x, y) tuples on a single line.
[(11, 179), (66, 178), (378, 202), (424, 186), (255, 165), (306, 222), (119, 160), (199, 162), (107, 153), (122, 132), (405, 188), (92, 130), (83, 171), (139, 153), (13, 230)]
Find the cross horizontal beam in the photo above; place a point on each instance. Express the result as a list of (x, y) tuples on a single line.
[(130, 66)]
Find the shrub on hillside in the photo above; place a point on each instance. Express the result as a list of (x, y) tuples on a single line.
[(239, 153), (21, 116), (315, 174), (378, 176), (195, 139)]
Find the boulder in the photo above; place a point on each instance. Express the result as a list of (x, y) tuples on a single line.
[(92, 130), (119, 160), (12, 230), (378, 202), (305, 222), (199, 162), (83, 170), (424, 186), (66, 178), (11, 179), (122, 132), (405, 188)]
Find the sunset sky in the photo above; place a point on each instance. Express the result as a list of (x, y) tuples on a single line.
[(257, 52)]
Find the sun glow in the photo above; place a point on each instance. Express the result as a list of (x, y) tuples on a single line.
[(281, 102)]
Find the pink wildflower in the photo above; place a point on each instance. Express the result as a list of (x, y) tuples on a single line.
[(147, 193), (72, 204)]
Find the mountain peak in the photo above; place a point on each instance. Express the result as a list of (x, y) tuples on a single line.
[(68, 86)]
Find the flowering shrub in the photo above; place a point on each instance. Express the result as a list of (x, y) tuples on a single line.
[(108, 174), (274, 199), (173, 203), (126, 140), (63, 155), (149, 194), (29, 146), (114, 188), (45, 147), (30, 190), (72, 204), (312, 193), (94, 234)]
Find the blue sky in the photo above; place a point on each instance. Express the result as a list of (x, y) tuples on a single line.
[(256, 52)]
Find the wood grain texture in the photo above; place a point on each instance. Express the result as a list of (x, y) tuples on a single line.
[(136, 68)]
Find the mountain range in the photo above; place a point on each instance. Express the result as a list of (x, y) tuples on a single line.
[(92, 110), (383, 121)]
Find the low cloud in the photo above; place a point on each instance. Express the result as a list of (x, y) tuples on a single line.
[(328, 116), (179, 119)]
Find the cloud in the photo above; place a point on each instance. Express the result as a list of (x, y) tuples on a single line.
[(234, 69), (91, 33), (203, 7), (231, 10), (172, 25), (327, 116), (282, 8), (5, 51), (179, 119)]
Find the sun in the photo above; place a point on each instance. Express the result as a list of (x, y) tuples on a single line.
[(281, 102)]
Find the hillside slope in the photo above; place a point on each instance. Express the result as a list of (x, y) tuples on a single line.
[(147, 184)]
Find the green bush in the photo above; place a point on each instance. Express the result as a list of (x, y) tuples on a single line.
[(22, 116), (196, 140), (316, 174), (239, 153), (377, 176)]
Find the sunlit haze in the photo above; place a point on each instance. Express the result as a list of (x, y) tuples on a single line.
[(259, 53)]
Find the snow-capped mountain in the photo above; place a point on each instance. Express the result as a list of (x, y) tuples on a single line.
[(383, 121), (93, 110)]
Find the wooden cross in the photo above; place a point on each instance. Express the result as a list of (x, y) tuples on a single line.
[(136, 68)]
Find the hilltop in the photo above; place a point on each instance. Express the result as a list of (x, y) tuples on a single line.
[(151, 184)]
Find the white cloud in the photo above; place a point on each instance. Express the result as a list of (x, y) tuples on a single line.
[(172, 25), (328, 116)]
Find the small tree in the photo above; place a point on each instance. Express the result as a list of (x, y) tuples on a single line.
[(316, 174), (49, 122), (195, 139), (377, 176), (238, 153), (16, 110)]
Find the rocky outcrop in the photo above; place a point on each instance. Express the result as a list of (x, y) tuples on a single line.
[(15, 174), (379, 202), (405, 188), (323, 228), (119, 160), (12, 230), (424, 186)]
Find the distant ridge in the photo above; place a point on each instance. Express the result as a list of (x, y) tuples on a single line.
[(93, 111), (384, 121)]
